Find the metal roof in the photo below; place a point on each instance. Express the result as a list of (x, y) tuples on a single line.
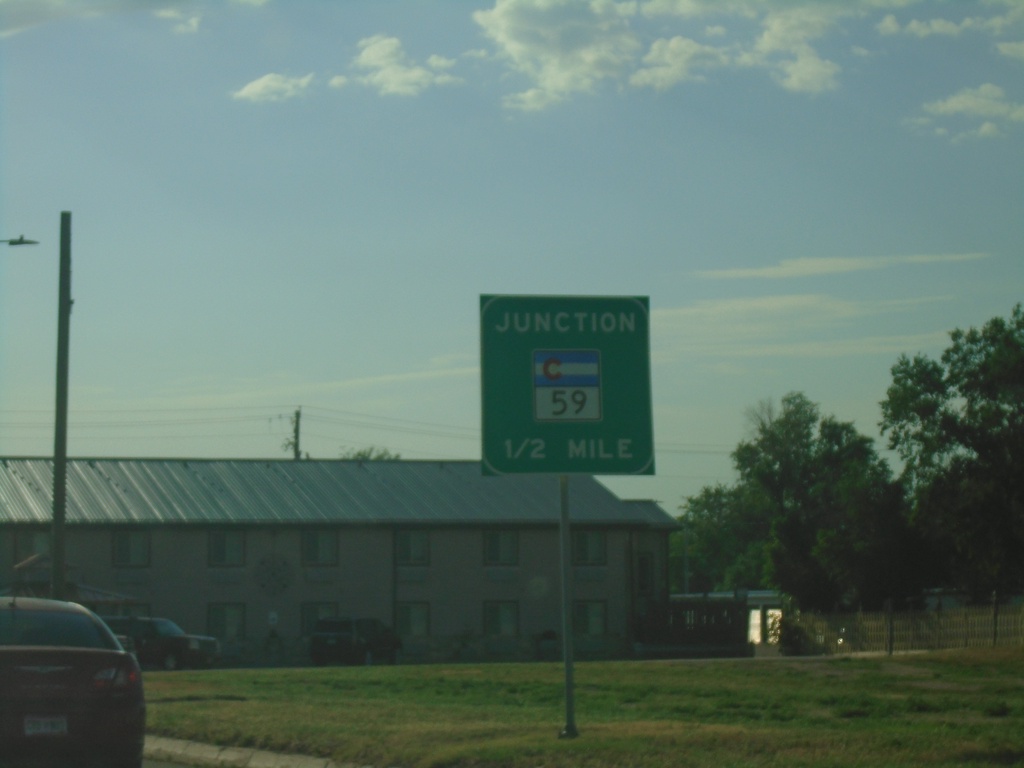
[(222, 492)]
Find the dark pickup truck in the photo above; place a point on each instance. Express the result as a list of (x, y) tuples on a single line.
[(353, 641), (162, 643)]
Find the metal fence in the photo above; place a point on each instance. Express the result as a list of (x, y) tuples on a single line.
[(901, 631)]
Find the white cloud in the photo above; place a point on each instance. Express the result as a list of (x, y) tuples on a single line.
[(808, 73), (888, 26), (183, 23), (814, 267), (672, 61), (987, 106), (562, 47), (986, 100), (19, 15), (944, 27), (567, 47), (440, 62), (988, 130), (1013, 50), (779, 326), (784, 48), (698, 8), (273, 87), (936, 27), (553, 50), (390, 70)]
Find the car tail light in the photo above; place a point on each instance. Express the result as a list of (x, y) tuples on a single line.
[(124, 677)]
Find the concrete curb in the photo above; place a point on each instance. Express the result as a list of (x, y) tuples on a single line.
[(192, 753)]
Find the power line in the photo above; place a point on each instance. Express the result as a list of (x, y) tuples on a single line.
[(151, 419)]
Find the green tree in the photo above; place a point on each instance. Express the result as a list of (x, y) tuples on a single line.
[(958, 425), (815, 513), (725, 545), (777, 466)]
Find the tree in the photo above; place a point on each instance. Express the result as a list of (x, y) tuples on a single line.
[(370, 454), (778, 467), (816, 513), (958, 425), (725, 547)]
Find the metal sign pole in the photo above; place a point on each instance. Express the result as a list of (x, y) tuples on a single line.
[(569, 732), (60, 440)]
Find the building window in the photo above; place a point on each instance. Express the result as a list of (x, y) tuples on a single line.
[(313, 612), (412, 619), (226, 621), (412, 547), (589, 617), (226, 548), (589, 548), (130, 549), (501, 548), (31, 542), (645, 574), (319, 548), (501, 618)]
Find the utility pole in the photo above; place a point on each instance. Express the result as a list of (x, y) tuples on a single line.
[(296, 420), (60, 448)]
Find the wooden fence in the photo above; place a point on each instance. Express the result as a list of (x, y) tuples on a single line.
[(901, 631)]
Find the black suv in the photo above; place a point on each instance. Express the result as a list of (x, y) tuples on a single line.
[(353, 641), (163, 643)]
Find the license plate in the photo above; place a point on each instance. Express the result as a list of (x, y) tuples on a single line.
[(46, 726)]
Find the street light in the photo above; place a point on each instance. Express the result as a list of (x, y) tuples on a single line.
[(60, 440)]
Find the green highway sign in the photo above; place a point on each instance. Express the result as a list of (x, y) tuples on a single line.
[(566, 385)]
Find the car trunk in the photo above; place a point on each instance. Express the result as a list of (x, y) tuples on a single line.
[(65, 693)]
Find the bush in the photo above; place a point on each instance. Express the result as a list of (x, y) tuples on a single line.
[(795, 639)]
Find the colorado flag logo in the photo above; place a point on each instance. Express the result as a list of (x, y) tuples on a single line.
[(567, 385)]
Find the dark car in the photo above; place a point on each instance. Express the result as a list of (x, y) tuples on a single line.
[(353, 641), (162, 643), (69, 693)]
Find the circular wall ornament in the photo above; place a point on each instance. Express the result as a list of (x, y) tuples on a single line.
[(274, 574)]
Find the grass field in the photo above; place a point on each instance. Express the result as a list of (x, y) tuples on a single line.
[(942, 709)]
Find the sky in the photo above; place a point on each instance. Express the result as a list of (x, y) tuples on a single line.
[(297, 204)]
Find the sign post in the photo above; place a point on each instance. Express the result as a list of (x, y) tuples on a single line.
[(566, 389)]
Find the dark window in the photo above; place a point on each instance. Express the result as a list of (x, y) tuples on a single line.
[(319, 548), (412, 547), (501, 618), (413, 619), (645, 573), (227, 548), (501, 548), (130, 549), (35, 541), (589, 548), (589, 617)]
